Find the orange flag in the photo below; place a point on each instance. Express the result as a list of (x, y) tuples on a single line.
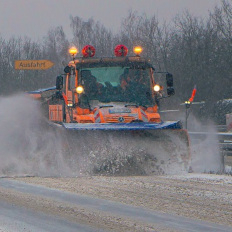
[(193, 94)]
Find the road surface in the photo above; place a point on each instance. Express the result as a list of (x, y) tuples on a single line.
[(156, 203)]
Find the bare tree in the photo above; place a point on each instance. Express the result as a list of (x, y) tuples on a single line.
[(93, 33)]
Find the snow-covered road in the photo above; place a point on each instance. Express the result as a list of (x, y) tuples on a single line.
[(193, 202)]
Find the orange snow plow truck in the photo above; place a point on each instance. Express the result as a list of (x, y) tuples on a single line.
[(109, 108)]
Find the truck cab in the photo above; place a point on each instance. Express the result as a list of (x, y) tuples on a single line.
[(108, 90)]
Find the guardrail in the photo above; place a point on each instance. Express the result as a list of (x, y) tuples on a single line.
[(225, 145), (221, 128), (218, 128), (224, 139), (220, 135)]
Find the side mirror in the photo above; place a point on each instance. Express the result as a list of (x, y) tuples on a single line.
[(59, 82), (169, 81), (170, 91), (67, 69)]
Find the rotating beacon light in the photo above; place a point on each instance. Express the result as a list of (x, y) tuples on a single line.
[(120, 50), (88, 51), (137, 50), (73, 51)]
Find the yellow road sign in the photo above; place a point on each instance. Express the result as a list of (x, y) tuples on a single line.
[(33, 64)]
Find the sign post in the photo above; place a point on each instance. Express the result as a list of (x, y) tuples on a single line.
[(33, 64)]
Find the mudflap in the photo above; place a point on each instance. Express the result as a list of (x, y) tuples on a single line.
[(129, 152)]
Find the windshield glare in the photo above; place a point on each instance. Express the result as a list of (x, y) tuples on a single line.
[(116, 84)]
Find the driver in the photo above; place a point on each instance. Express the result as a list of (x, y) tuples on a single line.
[(125, 79), (91, 86), (134, 86)]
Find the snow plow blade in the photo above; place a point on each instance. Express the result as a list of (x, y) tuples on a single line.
[(123, 126), (128, 148)]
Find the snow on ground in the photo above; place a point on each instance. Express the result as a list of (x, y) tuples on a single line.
[(204, 178)]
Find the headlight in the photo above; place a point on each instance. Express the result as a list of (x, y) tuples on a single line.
[(79, 89), (157, 88)]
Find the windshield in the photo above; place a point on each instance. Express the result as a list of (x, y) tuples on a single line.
[(117, 84)]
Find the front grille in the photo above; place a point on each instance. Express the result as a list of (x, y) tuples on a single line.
[(115, 119)]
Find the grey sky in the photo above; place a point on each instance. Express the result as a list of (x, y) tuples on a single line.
[(33, 18)]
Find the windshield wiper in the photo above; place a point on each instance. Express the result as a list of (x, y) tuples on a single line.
[(135, 105), (103, 106)]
